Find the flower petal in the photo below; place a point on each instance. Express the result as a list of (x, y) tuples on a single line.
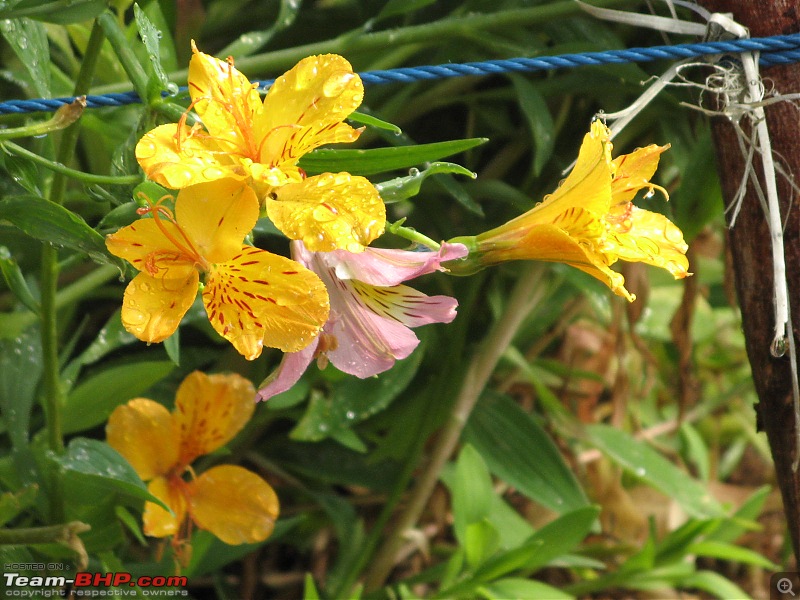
[(633, 172), (217, 216), (157, 521), (152, 307), (234, 504), (650, 238), (305, 107), (146, 435), (146, 247), (289, 371), (226, 102), (388, 267), (405, 304), (210, 410), (329, 211), (175, 156), (587, 186), (258, 298)]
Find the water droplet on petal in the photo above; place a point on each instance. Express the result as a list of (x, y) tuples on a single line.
[(336, 84)]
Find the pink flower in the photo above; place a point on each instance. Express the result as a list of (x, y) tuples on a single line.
[(371, 312)]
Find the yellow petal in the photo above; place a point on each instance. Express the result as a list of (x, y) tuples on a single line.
[(210, 410), (650, 238), (588, 185), (633, 172), (145, 245), (329, 212), (305, 107), (217, 216), (152, 307), (261, 299), (226, 102), (234, 504), (145, 434), (157, 521), (176, 156)]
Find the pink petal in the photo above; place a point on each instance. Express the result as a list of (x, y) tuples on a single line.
[(292, 367), (380, 266)]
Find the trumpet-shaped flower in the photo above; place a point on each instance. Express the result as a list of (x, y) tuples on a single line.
[(589, 222), (253, 298), (371, 312), (231, 502), (258, 142)]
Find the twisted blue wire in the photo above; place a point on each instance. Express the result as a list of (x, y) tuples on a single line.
[(775, 50)]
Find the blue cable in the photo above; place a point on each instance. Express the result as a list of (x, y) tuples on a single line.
[(775, 50)]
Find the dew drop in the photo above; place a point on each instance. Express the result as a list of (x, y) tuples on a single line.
[(413, 172), (778, 346), (336, 84)]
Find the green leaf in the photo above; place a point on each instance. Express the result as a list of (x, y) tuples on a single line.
[(402, 188), (13, 503), (94, 462), (372, 121), (252, 41), (22, 171), (481, 540), (641, 460), (95, 398), (401, 7), (54, 224), (471, 490), (539, 120), (517, 587), (20, 372), (16, 280), (310, 589), (62, 12), (28, 39), (172, 345), (498, 428), (158, 78), (723, 551), (354, 400), (379, 160), (743, 519), (714, 584), (695, 450)]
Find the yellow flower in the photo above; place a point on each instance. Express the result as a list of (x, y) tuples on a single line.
[(253, 298), (589, 222), (246, 139), (234, 504)]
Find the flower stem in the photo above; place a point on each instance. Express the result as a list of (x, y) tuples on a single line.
[(61, 169), (53, 393), (63, 533), (526, 294)]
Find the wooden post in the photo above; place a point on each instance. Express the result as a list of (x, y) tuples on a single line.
[(750, 243)]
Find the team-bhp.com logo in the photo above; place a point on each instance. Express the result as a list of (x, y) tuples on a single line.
[(92, 585)]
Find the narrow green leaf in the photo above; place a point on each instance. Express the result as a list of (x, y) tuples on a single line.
[(380, 160), (22, 171), (28, 39), (695, 450), (252, 41), (499, 428), (517, 587), (743, 519), (402, 188), (56, 225), (540, 122), (394, 8), (310, 589), (172, 345), (93, 400), (471, 490), (61, 12), (714, 584), (371, 121), (98, 463), (20, 372), (641, 460), (16, 280), (151, 36), (723, 551)]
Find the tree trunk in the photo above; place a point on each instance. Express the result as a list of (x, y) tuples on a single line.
[(750, 244)]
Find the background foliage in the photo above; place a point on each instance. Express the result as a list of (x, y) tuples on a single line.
[(613, 450)]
